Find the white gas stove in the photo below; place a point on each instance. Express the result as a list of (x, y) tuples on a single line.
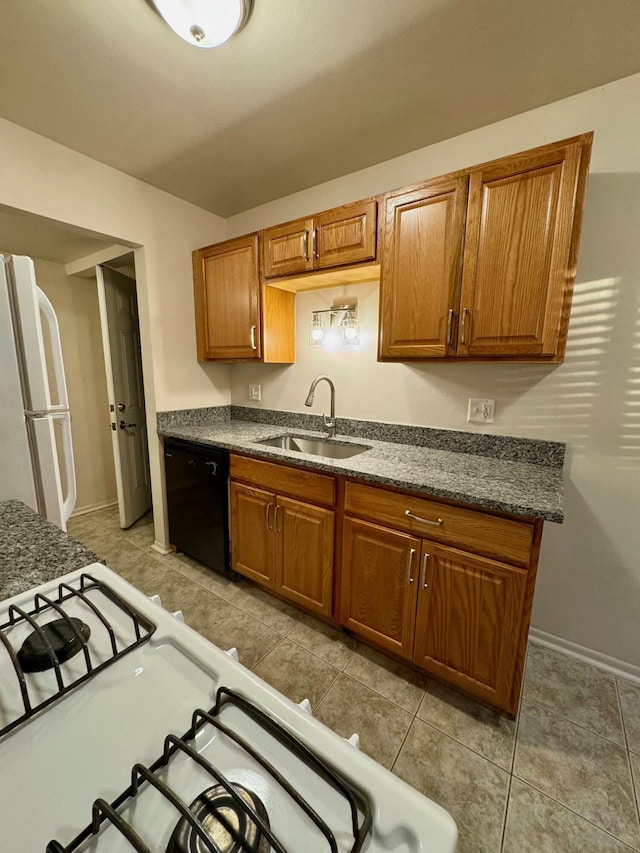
[(122, 729)]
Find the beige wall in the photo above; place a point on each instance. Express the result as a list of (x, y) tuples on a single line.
[(47, 179), (75, 301), (589, 580)]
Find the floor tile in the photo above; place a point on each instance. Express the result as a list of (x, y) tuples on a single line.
[(278, 615), (635, 770), (470, 788), (113, 549), (575, 690), (323, 640), (351, 707), (586, 773), (142, 570), (202, 610), (107, 519), (630, 701), (143, 536), (297, 673), (204, 575), (80, 525), (474, 725), (537, 824), (252, 639), (391, 679)]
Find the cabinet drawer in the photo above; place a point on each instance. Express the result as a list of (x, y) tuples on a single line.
[(468, 529), (296, 482)]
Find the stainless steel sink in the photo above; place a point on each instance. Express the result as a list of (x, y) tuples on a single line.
[(316, 446)]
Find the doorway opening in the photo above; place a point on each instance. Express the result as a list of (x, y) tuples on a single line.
[(66, 260)]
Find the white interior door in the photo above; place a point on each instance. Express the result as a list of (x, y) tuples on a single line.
[(123, 364)]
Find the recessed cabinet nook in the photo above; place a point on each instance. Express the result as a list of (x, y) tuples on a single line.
[(476, 265)]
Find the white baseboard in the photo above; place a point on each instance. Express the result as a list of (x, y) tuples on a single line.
[(159, 547), (83, 510), (611, 665)]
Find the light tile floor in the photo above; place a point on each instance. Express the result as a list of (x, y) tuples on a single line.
[(563, 777)]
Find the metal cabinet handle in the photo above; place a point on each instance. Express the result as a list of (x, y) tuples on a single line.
[(412, 552), (449, 324), (425, 560), (409, 514), (305, 245), (275, 519), (253, 338), (465, 311), (269, 526), (314, 245)]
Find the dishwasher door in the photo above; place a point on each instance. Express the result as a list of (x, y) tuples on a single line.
[(197, 479)]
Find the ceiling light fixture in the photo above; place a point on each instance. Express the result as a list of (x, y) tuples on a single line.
[(205, 23)]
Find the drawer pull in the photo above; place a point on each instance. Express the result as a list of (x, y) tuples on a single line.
[(425, 560), (269, 526), (435, 523), (412, 552)]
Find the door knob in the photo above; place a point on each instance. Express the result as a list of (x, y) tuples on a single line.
[(124, 425)]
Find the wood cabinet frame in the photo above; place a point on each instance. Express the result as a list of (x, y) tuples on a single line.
[(308, 490), (342, 237), (544, 190), (238, 319)]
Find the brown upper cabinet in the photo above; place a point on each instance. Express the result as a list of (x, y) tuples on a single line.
[(421, 268), (235, 319), (508, 293), (344, 235)]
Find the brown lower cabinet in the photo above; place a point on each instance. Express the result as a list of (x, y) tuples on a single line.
[(453, 614), (445, 587), (285, 545)]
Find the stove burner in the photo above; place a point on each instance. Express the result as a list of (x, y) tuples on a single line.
[(217, 800), (34, 657)]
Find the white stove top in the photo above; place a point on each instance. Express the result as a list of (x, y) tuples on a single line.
[(83, 745)]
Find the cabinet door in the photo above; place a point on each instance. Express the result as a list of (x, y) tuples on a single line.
[(468, 621), (286, 249), (421, 269), (519, 257), (252, 539), (379, 585), (227, 300), (346, 235), (304, 561)]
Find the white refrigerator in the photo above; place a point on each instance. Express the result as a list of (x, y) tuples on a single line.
[(36, 451)]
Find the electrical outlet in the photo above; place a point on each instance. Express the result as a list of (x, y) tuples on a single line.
[(255, 392), (481, 411)]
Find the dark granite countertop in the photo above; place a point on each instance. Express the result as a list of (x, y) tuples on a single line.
[(33, 550), (527, 489)]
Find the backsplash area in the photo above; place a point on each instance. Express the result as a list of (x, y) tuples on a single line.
[(506, 447)]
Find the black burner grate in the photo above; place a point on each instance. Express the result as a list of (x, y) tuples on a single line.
[(86, 584), (357, 802)]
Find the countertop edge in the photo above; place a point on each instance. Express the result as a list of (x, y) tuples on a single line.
[(303, 461)]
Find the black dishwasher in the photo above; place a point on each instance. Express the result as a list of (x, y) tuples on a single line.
[(197, 480)]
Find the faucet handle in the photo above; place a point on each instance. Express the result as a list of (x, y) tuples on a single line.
[(329, 425)]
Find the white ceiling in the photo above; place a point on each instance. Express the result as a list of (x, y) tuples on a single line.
[(308, 91)]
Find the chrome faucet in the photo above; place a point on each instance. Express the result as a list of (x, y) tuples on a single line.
[(329, 425)]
